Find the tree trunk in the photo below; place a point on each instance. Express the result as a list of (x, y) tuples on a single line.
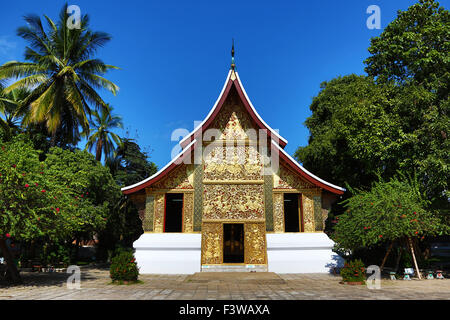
[(386, 256), (53, 139), (414, 257), (77, 250), (417, 248), (399, 256), (12, 268), (98, 152)]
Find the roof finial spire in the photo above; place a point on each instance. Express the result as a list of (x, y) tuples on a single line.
[(233, 65)]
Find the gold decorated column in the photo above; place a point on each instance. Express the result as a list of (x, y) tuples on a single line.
[(308, 212)]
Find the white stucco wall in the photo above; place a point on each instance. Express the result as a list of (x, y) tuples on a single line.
[(168, 253), (180, 253), (301, 253)]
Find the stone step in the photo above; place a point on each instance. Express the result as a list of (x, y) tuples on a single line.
[(231, 268)]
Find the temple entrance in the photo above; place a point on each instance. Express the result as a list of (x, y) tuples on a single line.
[(233, 243), (173, 220), (291, 212)]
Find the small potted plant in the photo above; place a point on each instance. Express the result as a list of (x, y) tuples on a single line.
[(353, 273), (124, 269)]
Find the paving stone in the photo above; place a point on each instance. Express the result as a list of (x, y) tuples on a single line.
[(95, 284)]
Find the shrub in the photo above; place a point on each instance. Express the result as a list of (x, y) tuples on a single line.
[(124, 267), (353, 271)]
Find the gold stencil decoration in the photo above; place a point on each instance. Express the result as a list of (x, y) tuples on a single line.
[(233, 163), (159, 213), (198, 197), (147, 223), (212, 238), (289, 180), (255, 243), (177, 179), (233, 120), (188, 212), (278, 212), (318, 216), (239, 202), (268, 201), (308, 212)]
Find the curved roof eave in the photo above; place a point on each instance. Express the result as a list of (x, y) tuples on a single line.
[(308, 175), (161, 173), (254, 114)]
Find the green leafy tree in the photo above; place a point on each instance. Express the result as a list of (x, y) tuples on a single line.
[(101, 135), (130, 164), (9, 103), (414, 52), (352, 133), (388, 212), (396, 118), (92, 182), (35, 204), (414, 48), (62, 74)]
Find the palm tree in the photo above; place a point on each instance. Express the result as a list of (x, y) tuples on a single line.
[(102, 137), (62, 75), (9, 103)]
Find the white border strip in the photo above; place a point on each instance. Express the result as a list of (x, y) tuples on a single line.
[(162, 170), (217, 102), (306, 171), (210, 112), (254, 110)]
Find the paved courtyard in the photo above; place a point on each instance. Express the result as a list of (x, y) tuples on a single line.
[(95, 285)]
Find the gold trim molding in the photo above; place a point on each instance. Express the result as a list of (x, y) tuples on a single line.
[(155, 191), (233, 181)]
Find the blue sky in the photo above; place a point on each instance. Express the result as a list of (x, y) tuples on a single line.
[(174, 57)]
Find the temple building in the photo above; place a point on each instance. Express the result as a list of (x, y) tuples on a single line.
[(234, 200)]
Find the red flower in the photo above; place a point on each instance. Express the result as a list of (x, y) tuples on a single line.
[(416, 232), (43, 190), (57, 209), (381, 236), (23, 174), (13, 165), (27, 185), (8, 235), (36, 184)]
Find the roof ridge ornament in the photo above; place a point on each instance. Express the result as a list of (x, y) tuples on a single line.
[(233, 65)]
